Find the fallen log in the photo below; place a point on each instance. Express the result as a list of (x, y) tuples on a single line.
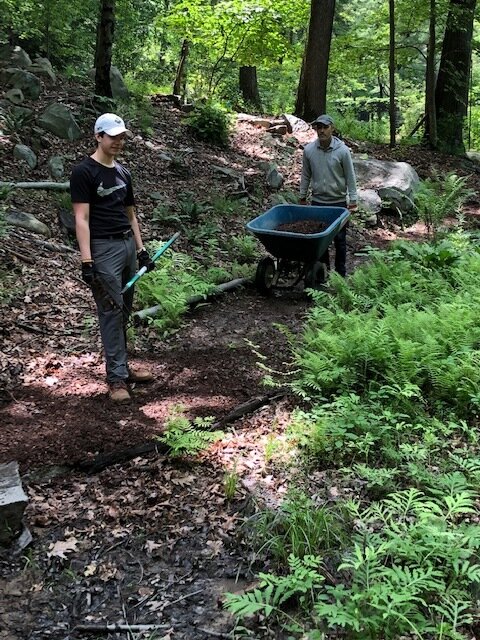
[(56, 186), (62, 248), (151, 312), (103, 461)]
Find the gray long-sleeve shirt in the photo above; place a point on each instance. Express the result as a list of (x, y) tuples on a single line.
[(329, 173)]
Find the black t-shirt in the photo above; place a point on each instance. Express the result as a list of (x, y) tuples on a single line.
[(108, 191)]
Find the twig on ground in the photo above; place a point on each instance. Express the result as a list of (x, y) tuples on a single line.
[(107, 628)]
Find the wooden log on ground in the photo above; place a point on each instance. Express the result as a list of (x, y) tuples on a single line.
[(194, 300), (55, 186), (102, 462), (58, 248)]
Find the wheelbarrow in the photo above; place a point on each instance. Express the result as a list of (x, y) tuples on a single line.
[(296, 256)]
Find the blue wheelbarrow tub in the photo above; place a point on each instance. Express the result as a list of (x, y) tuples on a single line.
[(297, 247)]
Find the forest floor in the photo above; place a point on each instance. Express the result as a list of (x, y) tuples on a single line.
[(151, 540)]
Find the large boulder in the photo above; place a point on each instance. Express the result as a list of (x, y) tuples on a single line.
[(119, 89), (20, 58), (43, 68), (395, 182), (28, 82), (58, 119), (24, 154), (27, 221)]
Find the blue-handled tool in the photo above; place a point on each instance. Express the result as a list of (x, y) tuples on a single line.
[(155, 257)]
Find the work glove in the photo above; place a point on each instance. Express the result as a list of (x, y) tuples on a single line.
[(144, 260), (88, 274)]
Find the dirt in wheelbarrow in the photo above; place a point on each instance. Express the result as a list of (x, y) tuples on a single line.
[(303, 226)]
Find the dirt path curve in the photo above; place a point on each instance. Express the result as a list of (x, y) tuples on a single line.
[(152, 541)]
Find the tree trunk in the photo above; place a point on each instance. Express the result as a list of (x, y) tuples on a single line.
[(453, 80), (180, 77), (431, 116), (247, 82), (392, 65), (312, 88), (103, 52)]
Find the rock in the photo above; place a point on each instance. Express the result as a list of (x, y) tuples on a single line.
[(20, 58), (474, 156), (43, 68), (25, 154), (15, 96), (12, 502), (27, 82), (295, 124), (369, 201), (394, 182), (274, 178), (66, 220), (21, 114), (26, 221), (119, 90), (158, 149), (58, 119), (256, 121), (278, 129), (225, 171), (56, 167), (7, 74)]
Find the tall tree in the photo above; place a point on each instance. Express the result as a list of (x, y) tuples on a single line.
[(103, 51), (451, 94), (248, 84), (179, 85), (312, 88), (392, 65), (430, 110)]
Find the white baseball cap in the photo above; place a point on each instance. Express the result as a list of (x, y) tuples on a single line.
[(110, 124)]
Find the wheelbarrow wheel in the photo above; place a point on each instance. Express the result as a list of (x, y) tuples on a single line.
[(315, 275), (264, 276)]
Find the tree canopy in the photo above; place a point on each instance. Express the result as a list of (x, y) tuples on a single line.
[(271, 38)]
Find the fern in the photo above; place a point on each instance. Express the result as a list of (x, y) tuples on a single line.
[(302, 582), (185, 438)]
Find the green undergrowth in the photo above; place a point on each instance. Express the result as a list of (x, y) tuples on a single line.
[(388, 369), (176, 278)]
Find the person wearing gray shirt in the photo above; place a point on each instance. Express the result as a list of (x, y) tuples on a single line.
[(327, 170)]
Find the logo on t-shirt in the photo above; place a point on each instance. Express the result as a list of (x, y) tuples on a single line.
[(102, 192)]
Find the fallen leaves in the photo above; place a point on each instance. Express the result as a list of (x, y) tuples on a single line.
[(60, 548)]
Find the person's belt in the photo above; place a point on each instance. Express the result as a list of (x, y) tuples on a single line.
[(121, 235)]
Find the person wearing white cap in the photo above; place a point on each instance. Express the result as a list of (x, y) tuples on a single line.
[(110, 245), (327, 169)]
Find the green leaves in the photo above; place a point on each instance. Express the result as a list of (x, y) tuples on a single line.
[(185, 438), (273, 591)]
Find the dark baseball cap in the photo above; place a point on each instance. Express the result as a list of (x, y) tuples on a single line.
[(323, 119)]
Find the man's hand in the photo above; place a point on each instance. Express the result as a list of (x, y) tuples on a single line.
[(144, 260), (352, 206), (88, 274), (302, 201)]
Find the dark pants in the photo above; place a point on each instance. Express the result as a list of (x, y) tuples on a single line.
[(115, 263), (340, 243)]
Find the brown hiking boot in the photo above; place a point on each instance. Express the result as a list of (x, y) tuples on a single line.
[(139, 375), (118, 391)]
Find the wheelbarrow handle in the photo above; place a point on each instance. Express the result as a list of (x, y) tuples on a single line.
[(155, 257)]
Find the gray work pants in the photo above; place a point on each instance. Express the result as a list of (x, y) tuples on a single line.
[(115, 263)]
